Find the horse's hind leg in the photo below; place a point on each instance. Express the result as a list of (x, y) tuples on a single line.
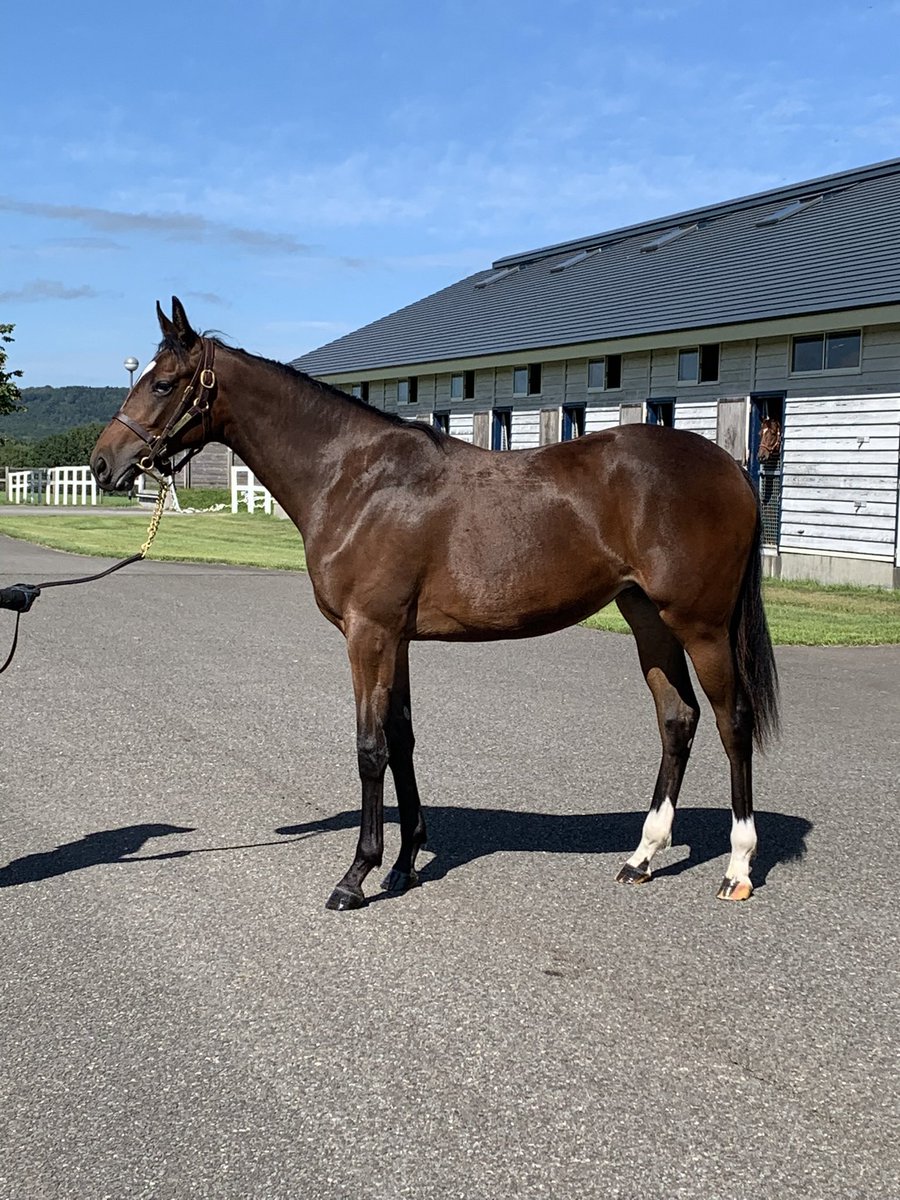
[(713, 659), (373, 659), (665, 670), (401, 743)]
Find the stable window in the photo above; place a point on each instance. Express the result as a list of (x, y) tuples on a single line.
[(441, 421), (826, 352), (468, 385), (699, 364), (661, 412), (572, 422), (360, 391), (527, 380), (457, 386), (605, 374), (408, 390), (501, 429)]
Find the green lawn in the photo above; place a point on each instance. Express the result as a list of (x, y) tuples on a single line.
[(799, 613), (237, 538), (807, 614)]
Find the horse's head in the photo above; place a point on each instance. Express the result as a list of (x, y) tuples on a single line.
[(166, 413)]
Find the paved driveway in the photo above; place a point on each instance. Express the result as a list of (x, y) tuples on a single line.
[(182, 1018)]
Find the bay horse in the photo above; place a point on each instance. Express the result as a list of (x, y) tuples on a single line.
[(411, 534)]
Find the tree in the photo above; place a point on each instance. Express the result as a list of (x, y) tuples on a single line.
[(10, 396)]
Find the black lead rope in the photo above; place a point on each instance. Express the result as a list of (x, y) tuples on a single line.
[(21, 596)]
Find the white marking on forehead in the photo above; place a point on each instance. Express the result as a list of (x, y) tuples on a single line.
[(146, 371)]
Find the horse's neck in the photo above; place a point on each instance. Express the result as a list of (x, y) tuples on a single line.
[(290, 434)]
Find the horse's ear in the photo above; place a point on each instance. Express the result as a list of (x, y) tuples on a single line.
[(168, 329), (186, 336)]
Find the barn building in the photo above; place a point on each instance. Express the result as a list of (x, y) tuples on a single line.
[(770, 324)]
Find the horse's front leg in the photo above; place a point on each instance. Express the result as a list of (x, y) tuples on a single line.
[(373, 662), (401, 743)]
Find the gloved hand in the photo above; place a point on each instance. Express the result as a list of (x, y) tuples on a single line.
[(19, 597)]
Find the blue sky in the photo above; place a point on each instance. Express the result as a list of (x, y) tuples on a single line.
[(293, 169)]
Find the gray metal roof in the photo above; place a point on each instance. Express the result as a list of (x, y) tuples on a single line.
[(841, 251)]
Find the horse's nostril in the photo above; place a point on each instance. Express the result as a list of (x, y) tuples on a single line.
[(100, 467)]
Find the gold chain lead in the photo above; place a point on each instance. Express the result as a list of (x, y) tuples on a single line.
[(157, 516)]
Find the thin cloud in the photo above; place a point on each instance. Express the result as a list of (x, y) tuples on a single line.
[(182, 227), (49, 289), (88, 243), (209, 298)]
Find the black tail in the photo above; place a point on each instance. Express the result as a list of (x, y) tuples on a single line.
[(752, 645)]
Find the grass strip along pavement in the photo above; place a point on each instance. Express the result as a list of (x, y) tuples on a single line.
[(799, 613)]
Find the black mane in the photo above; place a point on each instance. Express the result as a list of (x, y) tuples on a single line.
[(326, 389)]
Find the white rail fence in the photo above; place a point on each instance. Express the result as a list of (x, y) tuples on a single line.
[(248, 491), (52, 485)]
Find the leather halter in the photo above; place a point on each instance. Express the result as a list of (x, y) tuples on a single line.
[(158, 460)]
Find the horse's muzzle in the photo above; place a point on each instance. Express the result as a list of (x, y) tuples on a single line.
[(110, 476)]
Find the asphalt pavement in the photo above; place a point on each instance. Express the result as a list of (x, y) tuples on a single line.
[(181, 1017)]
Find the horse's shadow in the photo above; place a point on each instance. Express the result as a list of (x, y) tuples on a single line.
[(461, 835), (458, 836)]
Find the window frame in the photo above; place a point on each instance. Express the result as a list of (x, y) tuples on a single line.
[(603, 359), (534, 372), (825, 334), (698, 350), (412, 390)]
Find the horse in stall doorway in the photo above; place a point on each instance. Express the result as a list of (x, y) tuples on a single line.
[(412, 534)]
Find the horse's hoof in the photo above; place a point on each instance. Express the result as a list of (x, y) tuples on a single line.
[(398, 882), (630, 874), (342, 898), (735, 889)]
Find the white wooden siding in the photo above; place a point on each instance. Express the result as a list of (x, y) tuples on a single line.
[(462, 426), (841, 459), (600, 416), (526, 430), (698, 416)]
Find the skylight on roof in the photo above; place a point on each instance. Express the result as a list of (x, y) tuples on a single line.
[(496, 276), (574, 259), (670, 235), (788, 210)]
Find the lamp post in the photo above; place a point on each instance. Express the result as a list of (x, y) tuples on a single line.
[(131, 365)]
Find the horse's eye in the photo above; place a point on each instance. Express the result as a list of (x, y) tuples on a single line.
[(162, 387)]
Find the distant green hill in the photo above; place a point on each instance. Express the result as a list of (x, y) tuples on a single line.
[(55, 409)]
